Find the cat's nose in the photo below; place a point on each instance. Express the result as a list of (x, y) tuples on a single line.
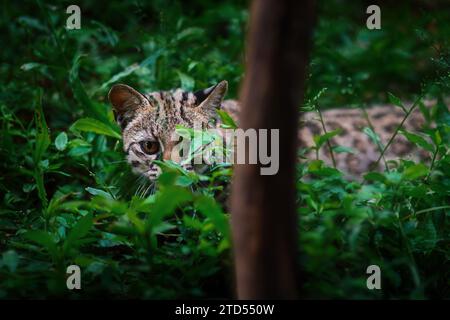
[(167, 154)]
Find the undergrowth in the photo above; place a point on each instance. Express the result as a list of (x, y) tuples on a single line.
[(68, 196)]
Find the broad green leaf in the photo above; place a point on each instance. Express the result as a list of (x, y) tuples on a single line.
[(417, 140), (61, 141), (80, 230), (320, 140), (211, 209), (374, 176), (170, 198), (92, 125), (437, 139), (79, 147), (415, 171), (315, 165), (185, 180), (98, 192), (393, 177), (194, 223), (80, 151), (43, 239), (327, 172)]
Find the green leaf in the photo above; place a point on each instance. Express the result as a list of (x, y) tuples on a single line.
[(437, 139), (417, 140), (92, 125), (90, 108), (227, 120), (315, 165), (393, 177), (79, 151), (211, 209), (30, 66), (42, 135), (426, 236), (343, 149), (43, 239), (185, 180), (79, 147), (170, 198), (375, 176), (42, 143), (425, 111), (78, 231), (10, 259), (320, 140), (187, 83), (61, 141), (396, 101), (149, 61), (372, 135), (415, 171), (163, 227), (190, 32), (98, 192), (129, 70)]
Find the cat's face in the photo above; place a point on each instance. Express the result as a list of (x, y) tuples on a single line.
[(148, 122)]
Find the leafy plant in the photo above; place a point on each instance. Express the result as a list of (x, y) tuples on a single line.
[(69, 197)]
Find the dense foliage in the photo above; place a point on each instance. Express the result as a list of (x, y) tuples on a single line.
[(68, 197)]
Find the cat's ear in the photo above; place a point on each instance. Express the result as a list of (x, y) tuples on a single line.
[(124, 98), (212, 97)]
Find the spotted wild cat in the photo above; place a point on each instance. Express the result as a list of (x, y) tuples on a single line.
[(149, 120)]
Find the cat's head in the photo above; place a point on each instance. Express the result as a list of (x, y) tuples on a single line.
[(148, 121)]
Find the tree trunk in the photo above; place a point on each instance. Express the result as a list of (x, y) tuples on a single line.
[(264, 219)]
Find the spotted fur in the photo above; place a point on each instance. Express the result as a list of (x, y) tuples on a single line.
[(383, 120), (153, 117)]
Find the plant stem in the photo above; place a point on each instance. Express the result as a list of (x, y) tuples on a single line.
[(398, 129), (379, 145), (433, 160), (328, 141)]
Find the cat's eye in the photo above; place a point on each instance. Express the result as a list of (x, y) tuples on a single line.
[(150, 147)]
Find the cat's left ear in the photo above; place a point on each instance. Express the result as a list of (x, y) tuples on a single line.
[(212, 97)]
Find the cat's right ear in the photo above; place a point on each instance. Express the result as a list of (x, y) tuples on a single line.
[(125, 101), (124, 98)]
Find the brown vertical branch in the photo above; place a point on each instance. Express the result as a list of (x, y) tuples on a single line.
[(264, 221)]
